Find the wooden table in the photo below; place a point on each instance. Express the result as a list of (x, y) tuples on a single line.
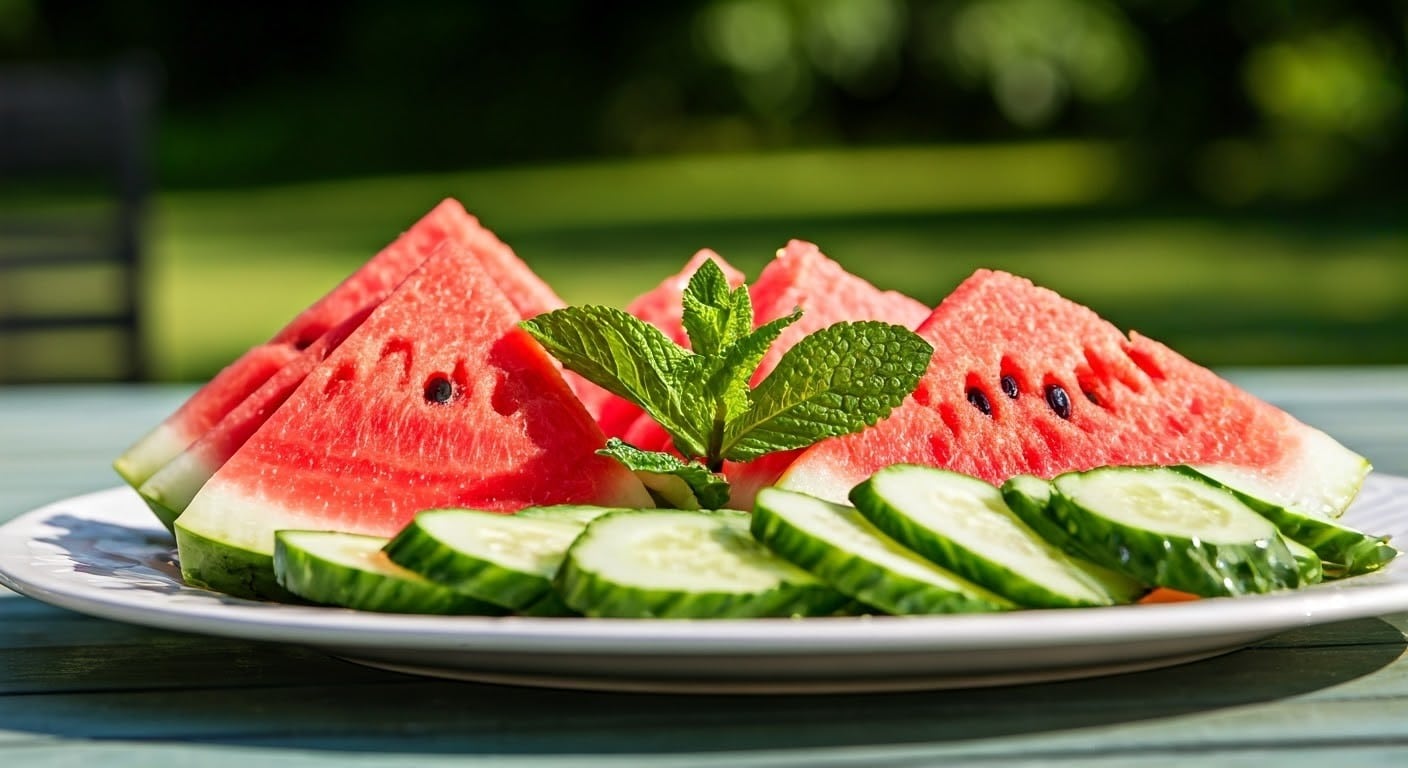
[(82, 691)]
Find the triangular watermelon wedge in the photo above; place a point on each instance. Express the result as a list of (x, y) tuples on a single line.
[(800, 276), (1025, 381), (170, 490), (437, 399), (660, 306), (368, 285)]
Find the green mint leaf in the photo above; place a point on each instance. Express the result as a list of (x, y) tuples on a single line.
[(683, 485), (713, 315), (632, 359), (728, 382), (838, 380)]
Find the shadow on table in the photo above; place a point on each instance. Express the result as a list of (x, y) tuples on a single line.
[(176, 688)]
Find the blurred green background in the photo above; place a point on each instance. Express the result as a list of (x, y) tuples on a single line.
[(1231, 178)]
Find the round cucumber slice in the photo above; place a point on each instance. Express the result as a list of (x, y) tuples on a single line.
[(1029, 497), (508, 560), (1343, 550), (842, 548), (962, 523), (572, 513), (1169, 529), (684, 565), (352, 571)]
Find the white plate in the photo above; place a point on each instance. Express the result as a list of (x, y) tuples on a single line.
[(104, 555)]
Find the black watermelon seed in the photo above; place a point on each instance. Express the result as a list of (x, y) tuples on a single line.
[(980, 401), (1091, 396), (1009, 387), (439, 390), (1059, 401)]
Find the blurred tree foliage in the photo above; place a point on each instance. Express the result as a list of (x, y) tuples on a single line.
[(1236, 103)]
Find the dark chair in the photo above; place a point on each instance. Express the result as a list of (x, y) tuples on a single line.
[(74, 185)]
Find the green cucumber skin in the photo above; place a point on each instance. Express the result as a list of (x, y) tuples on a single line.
[(1189, 565), (860, 579), (416, 549), (946, 553), (1312, 569), (229, 569), (1029, 497), (314, 578), (590, 594), (1344, 550)]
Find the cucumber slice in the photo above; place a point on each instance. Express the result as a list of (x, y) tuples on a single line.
[(1344, 550), (840, 547), (570, 513), (1311, 567), (961, 523), (351, 570), (507, 560), (1169, 529), (684, 564), (1029, 497)]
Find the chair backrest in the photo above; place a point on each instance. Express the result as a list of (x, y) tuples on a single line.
[(74, 184)]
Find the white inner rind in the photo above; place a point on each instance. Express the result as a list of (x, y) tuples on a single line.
[(1166, 503), (972, 514), (682, 551), (1321, 481), (842, 527)]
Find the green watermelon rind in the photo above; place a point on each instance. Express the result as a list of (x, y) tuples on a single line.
[(303, 566), (1345, 551), (1197, 565), (993, 572), (223, 567), (467, 563), (853, 574), (585, 588)]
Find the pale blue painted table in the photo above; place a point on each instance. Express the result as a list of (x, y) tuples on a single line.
[(83, 691)]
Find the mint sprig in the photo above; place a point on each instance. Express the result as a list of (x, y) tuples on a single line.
[(835, 381), (671, 481)]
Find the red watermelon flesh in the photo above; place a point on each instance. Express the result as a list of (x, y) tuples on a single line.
[(365, 441), (369, 284), (800, 276), (660, 306), (1025, 381), (199, 412), (170, 490)]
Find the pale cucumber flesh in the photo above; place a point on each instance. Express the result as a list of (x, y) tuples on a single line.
[(1168, 529), (352, 571), (679, 564), (964, 525), (508, 560), (840, 547)]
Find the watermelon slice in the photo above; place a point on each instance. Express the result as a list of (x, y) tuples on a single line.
[(660, 306), (1024, 381), (437, 399), (170, 490), (368, 285), (800, 276), (201, 410)]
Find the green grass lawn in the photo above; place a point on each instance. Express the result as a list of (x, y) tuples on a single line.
[(228, 268)]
